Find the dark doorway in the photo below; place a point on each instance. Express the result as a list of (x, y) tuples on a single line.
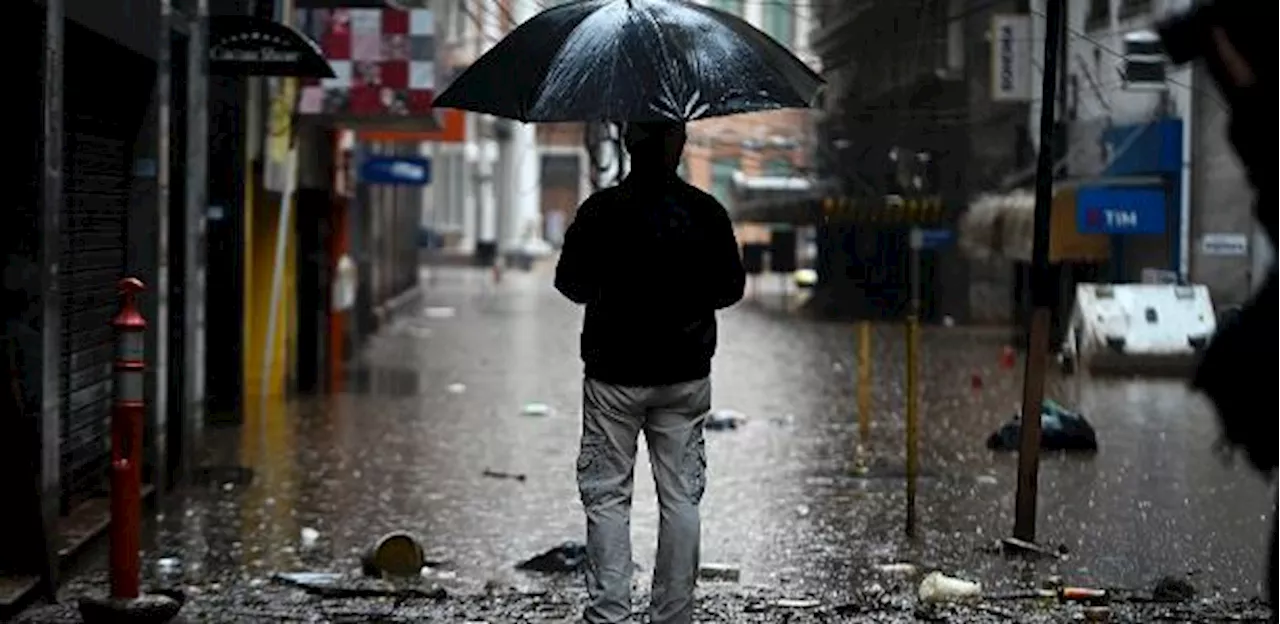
[(224, 293)]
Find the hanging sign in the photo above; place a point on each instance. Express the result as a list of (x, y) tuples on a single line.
[(244, 45), (1011, 79)]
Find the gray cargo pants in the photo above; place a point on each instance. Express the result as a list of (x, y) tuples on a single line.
[(672, 419)]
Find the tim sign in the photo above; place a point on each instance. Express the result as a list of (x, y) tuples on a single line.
[(1120, 210), (1011, 58)]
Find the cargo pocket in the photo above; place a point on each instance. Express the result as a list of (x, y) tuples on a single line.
[(695, 467), (592, 470)]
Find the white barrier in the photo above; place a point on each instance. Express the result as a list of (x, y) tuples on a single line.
[(1138, 328)]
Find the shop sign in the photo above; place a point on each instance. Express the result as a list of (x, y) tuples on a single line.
[(1120, 210), (398, 170), (244, 45)]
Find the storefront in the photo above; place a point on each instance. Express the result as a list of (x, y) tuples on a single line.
[(1137, 200), (1136, 214), (98, 173)]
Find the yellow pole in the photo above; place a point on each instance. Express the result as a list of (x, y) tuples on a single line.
[(864, 382), (913, 417), (913, 378)]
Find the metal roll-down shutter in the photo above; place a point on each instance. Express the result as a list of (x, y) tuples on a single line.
[(100, 130)]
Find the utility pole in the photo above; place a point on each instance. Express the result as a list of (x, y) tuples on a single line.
[(1042, 290)]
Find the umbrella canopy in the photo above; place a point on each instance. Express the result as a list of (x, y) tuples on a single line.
[(632, 60)]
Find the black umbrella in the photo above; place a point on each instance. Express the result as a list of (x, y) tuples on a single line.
[(632, 60)]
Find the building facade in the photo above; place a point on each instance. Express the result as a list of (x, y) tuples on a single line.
[(774, 143), (911, 117), (489, 198), (1173, 127), (113, 135)]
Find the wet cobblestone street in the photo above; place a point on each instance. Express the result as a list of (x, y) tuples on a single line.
[(443, 394)]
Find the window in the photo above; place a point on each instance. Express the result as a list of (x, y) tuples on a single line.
[(778, 167), (722, 170), (780, 21), (1133, 8), (730, 6)]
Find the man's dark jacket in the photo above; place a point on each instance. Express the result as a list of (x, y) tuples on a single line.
[(652, 259)]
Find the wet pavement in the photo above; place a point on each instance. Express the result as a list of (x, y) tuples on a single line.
[(442, 396)]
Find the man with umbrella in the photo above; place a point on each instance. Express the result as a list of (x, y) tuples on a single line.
[(652, 259)]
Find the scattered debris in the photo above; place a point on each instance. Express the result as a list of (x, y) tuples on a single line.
[(792, 603), (168, 566), (439, 312), (536, 409), (494, 474), (331, 586), (802, 510), (456, 388), (1086, 595), (395, 554), (986, 480), (309, 578), (938, 587), (1097, 614), (567, 557), (1060, 430), (309, 537), (719, 572), (1173, 589), (997, 611), (1013, 545), (904, 569), (721, 420)]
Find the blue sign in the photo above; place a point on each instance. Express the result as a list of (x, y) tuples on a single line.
[(1153, 148), (1120, 210), (402, 170), (933, 239)]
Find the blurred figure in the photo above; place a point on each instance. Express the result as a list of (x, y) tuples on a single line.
[(652, 259), (1233, 373)]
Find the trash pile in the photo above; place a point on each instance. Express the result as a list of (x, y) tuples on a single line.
[(1060, 430)]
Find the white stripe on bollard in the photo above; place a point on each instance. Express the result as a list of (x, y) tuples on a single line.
[(129, 386)]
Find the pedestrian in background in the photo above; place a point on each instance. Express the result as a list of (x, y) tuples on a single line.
[(1225, 36), (652, 259)]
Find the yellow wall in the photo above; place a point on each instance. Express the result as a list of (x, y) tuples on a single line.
[(262, 214), (261, 220)]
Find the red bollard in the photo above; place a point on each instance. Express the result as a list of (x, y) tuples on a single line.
[(1008, 358), (975, 382), (127, 603), (126, 444)]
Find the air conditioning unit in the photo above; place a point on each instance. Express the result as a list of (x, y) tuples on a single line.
[(1145, 62)]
